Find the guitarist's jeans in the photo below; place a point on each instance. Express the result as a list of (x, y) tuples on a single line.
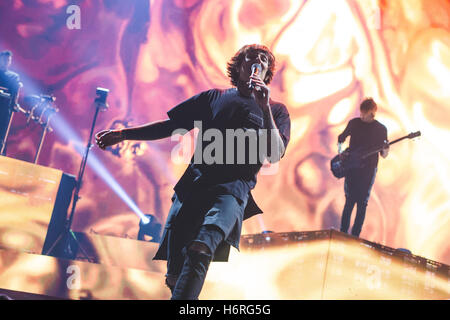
[(358, 185)]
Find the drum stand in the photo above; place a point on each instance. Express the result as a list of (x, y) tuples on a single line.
[(46, 128)]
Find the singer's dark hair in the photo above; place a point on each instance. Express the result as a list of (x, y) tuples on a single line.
[(235, 63)]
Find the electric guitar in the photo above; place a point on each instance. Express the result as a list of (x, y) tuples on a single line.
[(343, 162)]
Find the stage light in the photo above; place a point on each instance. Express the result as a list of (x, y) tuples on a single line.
[(403, 250), (63, 129), (149, 226), (267, 238)]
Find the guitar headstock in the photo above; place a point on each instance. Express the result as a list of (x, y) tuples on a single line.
[(414, 135)]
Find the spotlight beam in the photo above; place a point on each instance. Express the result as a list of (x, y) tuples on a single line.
[(63, 128)]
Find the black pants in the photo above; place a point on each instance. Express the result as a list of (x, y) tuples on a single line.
[(214, 222), (196, 264), (358, 185)]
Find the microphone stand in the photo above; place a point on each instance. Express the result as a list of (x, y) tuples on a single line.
[(100, 103)]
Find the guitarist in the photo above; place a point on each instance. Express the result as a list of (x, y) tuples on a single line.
[(365, 133)]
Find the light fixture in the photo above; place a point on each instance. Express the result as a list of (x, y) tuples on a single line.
[(149, 226)]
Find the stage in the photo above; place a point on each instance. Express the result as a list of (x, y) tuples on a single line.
[(315, 265)]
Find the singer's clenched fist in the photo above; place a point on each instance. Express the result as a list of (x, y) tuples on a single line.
[(106, 138), (261, 91)]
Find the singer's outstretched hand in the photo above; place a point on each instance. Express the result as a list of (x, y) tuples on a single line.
[(261, 92), (108, 138)]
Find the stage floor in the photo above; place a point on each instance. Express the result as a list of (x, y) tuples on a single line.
[(312, 265)]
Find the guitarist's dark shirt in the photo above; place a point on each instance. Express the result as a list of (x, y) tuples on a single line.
[(365, 136)]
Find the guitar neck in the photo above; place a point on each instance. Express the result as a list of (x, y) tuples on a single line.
[(379, 148)]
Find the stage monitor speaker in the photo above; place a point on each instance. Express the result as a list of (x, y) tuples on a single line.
[(33, 205)]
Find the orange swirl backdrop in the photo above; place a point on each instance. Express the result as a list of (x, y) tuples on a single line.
[(153, 54)]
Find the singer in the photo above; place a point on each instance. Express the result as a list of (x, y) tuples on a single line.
[(211, 200)]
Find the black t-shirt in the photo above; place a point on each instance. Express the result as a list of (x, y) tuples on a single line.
[(365, 136), (222, 112)]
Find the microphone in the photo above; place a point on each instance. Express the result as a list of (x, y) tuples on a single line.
[(256, 69)]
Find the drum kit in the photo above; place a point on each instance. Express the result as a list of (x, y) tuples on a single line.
[(36, 108)]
